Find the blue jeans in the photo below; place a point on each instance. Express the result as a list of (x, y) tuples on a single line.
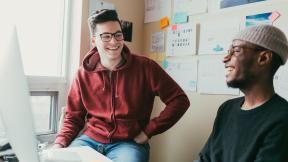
[(122, 151)]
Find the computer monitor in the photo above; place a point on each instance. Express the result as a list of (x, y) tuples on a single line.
[(15, 106), (15, 110)]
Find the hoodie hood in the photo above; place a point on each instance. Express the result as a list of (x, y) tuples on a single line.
[(91, 61)]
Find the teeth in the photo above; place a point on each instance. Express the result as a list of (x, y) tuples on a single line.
[(114, 48), (229, 69)]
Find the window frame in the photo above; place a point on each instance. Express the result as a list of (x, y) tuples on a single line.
[(53, 110), (39, 85), (46, 85), (71, 48), (71, 54)]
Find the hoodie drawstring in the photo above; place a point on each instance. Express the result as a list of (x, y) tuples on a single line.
[(116, 91), (104, 86)]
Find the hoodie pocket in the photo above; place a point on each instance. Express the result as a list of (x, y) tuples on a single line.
[(99, 126), (126, 129)]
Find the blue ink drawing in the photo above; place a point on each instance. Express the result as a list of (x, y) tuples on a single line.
[(218, 48), (253, 20)]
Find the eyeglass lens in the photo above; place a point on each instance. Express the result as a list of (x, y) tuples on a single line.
[(106, 37)]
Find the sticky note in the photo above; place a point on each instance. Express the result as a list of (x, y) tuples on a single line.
[(164, 22), (274, 16), (180, 17), (165, 64), (157, 56), (174, 27)]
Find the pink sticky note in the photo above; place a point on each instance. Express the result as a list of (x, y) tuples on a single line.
[(174, 27), (274, 16)]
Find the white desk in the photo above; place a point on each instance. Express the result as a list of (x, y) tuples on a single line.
[(73, 154)]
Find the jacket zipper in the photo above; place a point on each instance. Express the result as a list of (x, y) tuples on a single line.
[(111, 77)]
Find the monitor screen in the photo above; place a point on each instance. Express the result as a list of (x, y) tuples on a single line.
[(15, 106)]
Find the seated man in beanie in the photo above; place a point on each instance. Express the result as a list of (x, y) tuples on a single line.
[(112, 97), (253, 128)]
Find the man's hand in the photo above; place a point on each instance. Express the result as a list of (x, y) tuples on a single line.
[(55, 146), (141, 138)]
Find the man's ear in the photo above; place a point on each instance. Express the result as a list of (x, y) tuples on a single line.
[(265, 57), (93, 41)]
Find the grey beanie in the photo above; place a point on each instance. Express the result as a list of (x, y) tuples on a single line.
[(266, 36)]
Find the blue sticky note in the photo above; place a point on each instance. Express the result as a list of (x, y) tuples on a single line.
[(165, 64), (180, 17)]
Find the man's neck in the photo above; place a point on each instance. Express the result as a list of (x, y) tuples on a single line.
[(257, 96), (110, 64)]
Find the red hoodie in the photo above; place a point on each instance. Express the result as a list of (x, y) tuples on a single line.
[(116, 105)]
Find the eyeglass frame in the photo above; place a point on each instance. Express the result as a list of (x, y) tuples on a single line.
[(112, 35), (231, 51)]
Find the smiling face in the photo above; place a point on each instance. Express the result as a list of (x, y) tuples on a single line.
[(109, 51), (241, 64)]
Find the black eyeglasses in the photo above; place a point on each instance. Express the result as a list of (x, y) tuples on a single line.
[(106, 37)]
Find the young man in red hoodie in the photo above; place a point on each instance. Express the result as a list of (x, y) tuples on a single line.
[(112, 97)]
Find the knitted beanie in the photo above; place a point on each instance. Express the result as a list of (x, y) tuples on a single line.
[(266, 36)]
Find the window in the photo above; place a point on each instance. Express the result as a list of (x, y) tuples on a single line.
[(44, 106), (42, 33)]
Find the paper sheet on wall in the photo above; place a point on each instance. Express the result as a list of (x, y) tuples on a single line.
[(157, 42), (281, 81), (211, 78), (95, 5), (232, 3), (216, 37), (190, 6), (183, 71), (262, 18), (156, 9), (181, 40)]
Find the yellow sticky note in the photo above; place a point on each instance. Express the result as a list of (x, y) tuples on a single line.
[(157, 56), (164, 22)]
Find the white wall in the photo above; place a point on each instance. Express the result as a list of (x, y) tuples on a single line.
[(184, 141)]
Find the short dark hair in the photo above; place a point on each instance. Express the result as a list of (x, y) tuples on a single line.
[(276, 59), (101, 16), (276, 63)]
